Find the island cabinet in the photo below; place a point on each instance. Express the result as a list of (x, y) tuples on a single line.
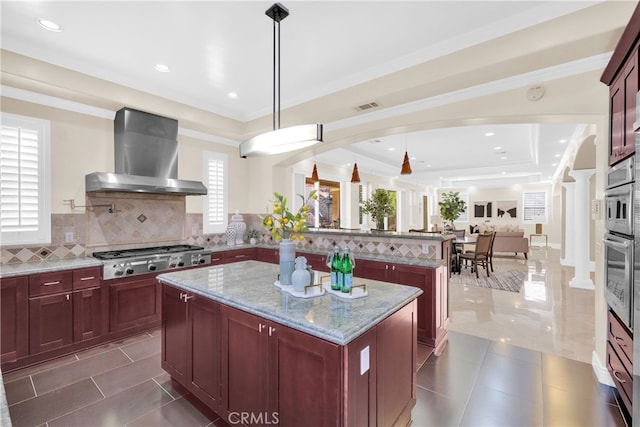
[(258, 356), (14, 318), (191, 343), (278, 375), (432, 304)]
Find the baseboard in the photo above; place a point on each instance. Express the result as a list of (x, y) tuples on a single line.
[(567, 262), (601, 371)]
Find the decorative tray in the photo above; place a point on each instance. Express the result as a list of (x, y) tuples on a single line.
[(310, 291), (357, 291)]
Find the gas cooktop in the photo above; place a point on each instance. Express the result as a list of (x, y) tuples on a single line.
[(131, 262)]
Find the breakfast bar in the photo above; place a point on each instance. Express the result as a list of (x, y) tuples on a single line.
[(255, 354)]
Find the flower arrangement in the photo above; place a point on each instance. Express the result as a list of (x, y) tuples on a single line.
[(284, 224)]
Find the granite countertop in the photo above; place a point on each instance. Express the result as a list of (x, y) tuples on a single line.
[(9, 270), (249, 286)]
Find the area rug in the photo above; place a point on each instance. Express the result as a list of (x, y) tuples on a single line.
[(504, 280)]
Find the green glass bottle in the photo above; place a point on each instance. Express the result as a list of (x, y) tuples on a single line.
[(336, 266), (347, 272)]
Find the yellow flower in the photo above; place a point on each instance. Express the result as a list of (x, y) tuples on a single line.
[(294, 237), (285, 220), (282, 223), (278, 237), (301, 237), (296, 229)]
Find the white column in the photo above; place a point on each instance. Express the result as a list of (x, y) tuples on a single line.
[(569, 225), (582, 278)]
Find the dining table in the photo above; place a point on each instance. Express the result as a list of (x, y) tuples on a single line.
[(458, 245)]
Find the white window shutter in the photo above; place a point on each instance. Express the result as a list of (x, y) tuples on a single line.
[(215, 207), (25, 213)]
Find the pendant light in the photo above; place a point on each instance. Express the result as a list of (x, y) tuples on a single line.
[(355, 176), (314, 174), (406, 167), (287, 139)]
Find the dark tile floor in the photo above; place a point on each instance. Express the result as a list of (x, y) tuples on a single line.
[(475, 382)]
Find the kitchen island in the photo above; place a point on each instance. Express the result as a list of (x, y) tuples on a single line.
[(257, 355)]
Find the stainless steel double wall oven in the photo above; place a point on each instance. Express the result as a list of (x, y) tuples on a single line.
[(619, 242)]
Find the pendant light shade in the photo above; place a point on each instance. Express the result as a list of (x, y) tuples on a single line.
[(287, 139), (314, 174), (355, 176), (406, 167)]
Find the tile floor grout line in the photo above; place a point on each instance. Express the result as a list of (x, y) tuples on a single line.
[(35, 392), (125, 353), (98, 387), (164, 389), (473, 387)]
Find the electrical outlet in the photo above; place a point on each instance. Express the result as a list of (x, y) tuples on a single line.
[(68, 237)]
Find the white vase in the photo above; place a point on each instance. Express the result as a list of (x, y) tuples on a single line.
[(287, 252), (237, 221), (230, 235), (253, 240)]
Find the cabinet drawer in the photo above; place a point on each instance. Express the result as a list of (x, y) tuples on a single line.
[(621, 377), (621, 341), (240, 255), (50, 283), (86, 278)]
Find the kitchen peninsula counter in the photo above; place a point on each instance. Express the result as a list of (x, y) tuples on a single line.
[(245, 348)]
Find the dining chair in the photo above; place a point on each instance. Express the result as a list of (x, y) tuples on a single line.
[(479, 257), (459, 233), (454, 265), (493, 238)]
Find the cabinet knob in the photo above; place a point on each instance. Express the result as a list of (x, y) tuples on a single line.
[(68, 297), (386, 266), (271, 330), (261, 327), (393, 267)]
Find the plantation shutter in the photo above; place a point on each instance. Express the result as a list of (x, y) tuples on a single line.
[(24, 207), (215, 206), (535, 205), (464, 216)]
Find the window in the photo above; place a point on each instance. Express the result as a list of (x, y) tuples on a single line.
[(25, 206), (535, 206), (464, 216), (215, 207)]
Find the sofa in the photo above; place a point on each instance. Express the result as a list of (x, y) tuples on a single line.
[(511, 241), (508, 238)]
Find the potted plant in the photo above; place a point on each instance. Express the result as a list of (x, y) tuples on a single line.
[(451, 206), (253, 235), (379, 206)]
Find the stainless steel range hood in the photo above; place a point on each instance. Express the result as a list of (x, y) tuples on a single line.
[(146, 157)]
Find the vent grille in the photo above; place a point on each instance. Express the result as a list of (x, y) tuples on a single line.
[(367, 106)]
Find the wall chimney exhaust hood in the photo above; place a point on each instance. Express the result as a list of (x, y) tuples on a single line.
[(146, 157)]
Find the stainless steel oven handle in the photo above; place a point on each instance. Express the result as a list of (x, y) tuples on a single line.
[(619, 245)]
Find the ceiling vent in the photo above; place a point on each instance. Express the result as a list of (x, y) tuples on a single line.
[(367, 106)]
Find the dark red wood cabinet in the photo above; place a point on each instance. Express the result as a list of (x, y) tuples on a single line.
[(268, 369), (134, 302), (191, 343), (622, 106), (620, 359), (14, 318), (432, 304), (64, 307)]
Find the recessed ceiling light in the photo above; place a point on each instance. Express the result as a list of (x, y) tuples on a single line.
[(232, 95), (503, 158), (557, 155), (497, 148), (162, 68), (49, 25), (554, 164), (391, 149), (489, 134), (374, 141), (562, 141), (504, 173), (412, 158), (428, 166)]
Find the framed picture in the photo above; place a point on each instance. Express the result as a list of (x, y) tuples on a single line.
[(482, 209), (507, 209)]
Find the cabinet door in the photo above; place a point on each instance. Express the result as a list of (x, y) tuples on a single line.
[(14, 318), (267, 255), (204, 376), (371, 270), (50, 322), (304, 378), (244, 365), (174, 333), (630, 77), (134, 303), (421, 278), (87, 314), (616, 120)]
